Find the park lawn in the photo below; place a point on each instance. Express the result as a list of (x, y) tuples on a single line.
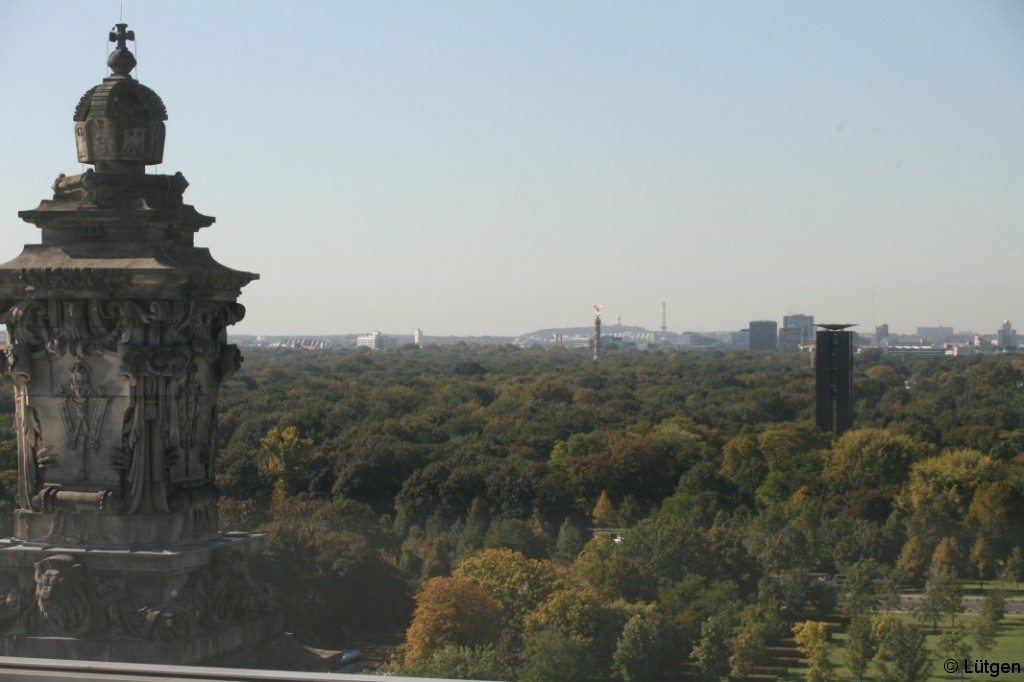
[(1009, 648)]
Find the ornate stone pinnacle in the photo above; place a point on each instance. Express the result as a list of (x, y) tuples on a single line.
[(121, 61)]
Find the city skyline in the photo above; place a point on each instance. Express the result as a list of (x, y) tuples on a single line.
[(487, 169), (930, 332)]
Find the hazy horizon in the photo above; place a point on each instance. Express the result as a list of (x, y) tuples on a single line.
[(490, 168)]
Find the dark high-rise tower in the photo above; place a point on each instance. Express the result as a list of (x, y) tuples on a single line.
[(764, 335), (833, 367)]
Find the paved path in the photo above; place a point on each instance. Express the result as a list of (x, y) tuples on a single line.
[(972, 604)]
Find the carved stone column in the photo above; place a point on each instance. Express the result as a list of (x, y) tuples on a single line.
[(117, 347)]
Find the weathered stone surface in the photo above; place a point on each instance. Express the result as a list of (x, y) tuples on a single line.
[(117, 346), (188, 602)]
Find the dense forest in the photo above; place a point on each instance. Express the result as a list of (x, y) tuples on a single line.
[(508, 513)]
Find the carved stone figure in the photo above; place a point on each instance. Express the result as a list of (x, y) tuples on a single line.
[(62, 593), (233, 592)]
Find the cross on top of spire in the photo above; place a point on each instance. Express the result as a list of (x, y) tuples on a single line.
[(121, 60), (122, 35)]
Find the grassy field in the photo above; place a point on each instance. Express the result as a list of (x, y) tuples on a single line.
[(1009, 647)]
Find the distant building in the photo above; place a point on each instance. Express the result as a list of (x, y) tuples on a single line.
[(739, 340), (375, 341), (764, 335), (833, 369), (1006, 337), (882, 335), (790, 339), (801, 322), (938, 334), (417, 337)]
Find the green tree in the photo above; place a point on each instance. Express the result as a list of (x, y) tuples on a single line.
[(743, 464), (515, 534), (605, 566), (584, 615), (953, 643), (456, 662), (986, 626), (983, 634), (746, 651), (901, 654), (993, 606), (942, 596), (783, 444), (320, 555), (868, 586), (1013, 568), (638, 652), (569, 543), (859, 646), (551, 656), (711, 653)]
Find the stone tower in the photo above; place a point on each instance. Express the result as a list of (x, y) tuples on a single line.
[(116, 346)]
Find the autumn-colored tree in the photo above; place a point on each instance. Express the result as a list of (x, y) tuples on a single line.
[(948, 557), (869, 459), (783, 444), (451, 612), (583, 615), (604, 512), (743, 464), (605, 567), (812, 641), (914, 558), (517, 584), (982, 559), (285, 457), (884, 374), (940, 490), (996, 513), (747, 651)]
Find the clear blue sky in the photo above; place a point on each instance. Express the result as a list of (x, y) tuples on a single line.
[(494, 167)]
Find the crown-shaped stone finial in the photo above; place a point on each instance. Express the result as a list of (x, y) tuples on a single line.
[(119, 124)]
